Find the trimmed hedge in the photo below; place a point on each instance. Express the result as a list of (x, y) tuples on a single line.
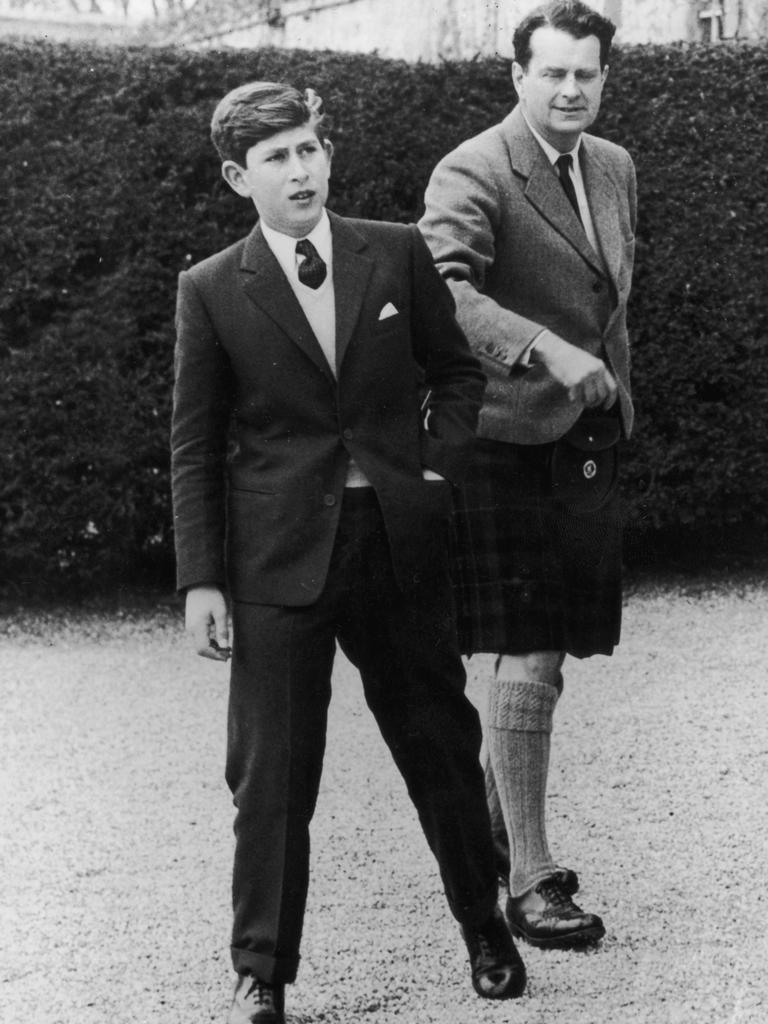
[(109, 186)]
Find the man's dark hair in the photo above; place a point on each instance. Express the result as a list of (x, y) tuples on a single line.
[(255, 111), (571, 16)]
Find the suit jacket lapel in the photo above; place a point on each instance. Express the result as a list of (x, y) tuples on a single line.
[(543, 189), (604, 206), (351, 272), (267, 287)]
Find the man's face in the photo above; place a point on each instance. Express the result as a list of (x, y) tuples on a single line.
[(286, 176), (561, 88)]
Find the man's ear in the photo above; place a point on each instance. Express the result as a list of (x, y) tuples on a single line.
[(604, 75), (517, 75), (234, 175), (328, 147)]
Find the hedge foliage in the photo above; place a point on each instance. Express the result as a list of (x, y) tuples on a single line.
[(109, 186)]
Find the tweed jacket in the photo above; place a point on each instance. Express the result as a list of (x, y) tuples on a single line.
[(506, 239), (263, 428)]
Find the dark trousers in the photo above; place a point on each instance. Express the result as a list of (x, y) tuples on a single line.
[(405, 649)]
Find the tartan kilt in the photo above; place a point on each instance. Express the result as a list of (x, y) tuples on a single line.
[(529, 573)]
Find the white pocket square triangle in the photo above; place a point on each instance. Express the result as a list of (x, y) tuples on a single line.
[(387, 311)]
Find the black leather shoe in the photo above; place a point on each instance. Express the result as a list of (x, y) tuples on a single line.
[(257, 1003), (546, 916), (498, 971)]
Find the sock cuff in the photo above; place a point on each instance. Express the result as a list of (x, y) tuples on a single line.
[(522, 705)]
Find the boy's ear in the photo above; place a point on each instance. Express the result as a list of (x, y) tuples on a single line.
[(234, 175)]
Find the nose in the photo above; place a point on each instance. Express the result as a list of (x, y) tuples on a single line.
[(570, 86), (296, 168)]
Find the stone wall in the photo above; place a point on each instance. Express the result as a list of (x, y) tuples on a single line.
[(434, 30)]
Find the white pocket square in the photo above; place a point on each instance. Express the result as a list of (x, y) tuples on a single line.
[(387, 311)]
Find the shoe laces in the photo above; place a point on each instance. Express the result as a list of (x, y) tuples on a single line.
[(261, 993), (484, 946), (486, 943), (554, 893)]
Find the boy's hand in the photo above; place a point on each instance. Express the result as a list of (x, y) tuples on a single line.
[(207, 622)]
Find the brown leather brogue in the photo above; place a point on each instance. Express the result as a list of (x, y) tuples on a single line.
[(255, 1002), (547, 917)]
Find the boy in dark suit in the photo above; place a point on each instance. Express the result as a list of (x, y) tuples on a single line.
[(324, 405)]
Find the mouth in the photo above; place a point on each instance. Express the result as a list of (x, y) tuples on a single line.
[(302, 196)]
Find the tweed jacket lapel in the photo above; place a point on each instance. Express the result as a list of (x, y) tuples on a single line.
[(603, 204), (267, 287), (351, 273), (543, 189)]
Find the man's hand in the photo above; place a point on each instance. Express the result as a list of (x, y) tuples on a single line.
[(586, 378), (207, 622)]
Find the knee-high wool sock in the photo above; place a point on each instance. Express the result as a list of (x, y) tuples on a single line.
[(498, 825), (519, 723)]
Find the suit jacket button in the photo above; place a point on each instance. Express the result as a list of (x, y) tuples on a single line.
[(329, 500), (346, 434), (597, 286)]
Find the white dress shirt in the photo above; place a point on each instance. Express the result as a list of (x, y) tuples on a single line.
[(319, 304), (578, 182)]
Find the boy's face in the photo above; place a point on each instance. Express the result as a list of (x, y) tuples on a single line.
[(286, 176)]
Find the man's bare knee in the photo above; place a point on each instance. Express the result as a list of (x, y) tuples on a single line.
[(534, 667)]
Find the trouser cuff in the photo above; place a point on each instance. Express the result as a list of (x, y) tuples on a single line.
[(269, 969), (476, 913)]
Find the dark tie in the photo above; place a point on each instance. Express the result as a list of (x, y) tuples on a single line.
[(312, 269), (563, 164)]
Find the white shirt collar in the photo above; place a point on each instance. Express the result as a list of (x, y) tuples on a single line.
[(551, 153), (284, 246)]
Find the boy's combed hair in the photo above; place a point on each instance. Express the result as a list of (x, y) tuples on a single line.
[(571, 16), (255, 111)]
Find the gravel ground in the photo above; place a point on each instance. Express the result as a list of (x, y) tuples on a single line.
[(116, 833)]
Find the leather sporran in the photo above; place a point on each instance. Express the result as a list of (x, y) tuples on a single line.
[(584, 464)]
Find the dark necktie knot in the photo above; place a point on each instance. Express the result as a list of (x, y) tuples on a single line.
[(563, 164), (312, 269)]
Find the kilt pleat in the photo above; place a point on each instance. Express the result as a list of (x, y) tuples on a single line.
[(530, 574)]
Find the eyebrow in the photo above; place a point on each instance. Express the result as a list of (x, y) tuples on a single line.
[(276, 150), (584, 70)]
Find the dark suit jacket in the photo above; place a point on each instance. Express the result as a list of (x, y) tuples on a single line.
[(263, 432), (517, 259)]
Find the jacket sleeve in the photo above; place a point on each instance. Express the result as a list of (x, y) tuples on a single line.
[(453, 380), (461, 223), (199, 430)]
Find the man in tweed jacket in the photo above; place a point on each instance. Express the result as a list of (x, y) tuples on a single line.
[(532, 225)]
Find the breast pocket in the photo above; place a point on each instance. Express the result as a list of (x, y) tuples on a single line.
[(390, 325)]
